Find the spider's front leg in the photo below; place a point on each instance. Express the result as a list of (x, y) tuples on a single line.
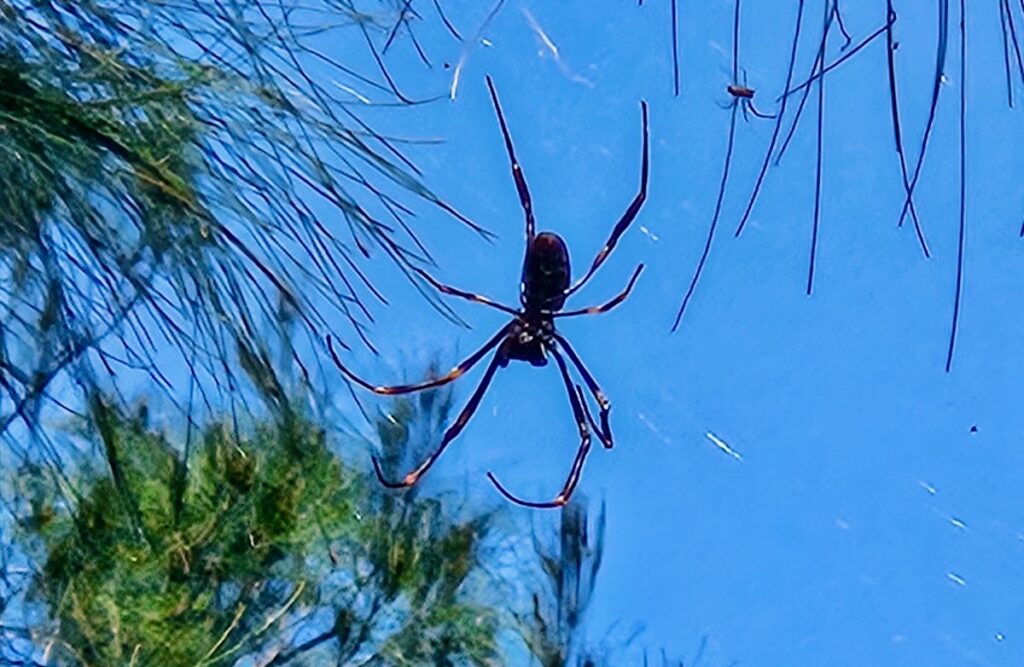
[(469, 296), (608, 305), (627, 217), (517, 170), (450, 376)]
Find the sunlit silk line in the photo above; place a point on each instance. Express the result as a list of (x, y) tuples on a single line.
[(464, 56), (724, 446), (550, 45)]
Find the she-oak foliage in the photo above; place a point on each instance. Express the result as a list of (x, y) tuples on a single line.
[(265, 547), (170, 173)]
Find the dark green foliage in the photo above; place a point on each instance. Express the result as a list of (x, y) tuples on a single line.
[(552, 625), (263, 545), (553, 628)]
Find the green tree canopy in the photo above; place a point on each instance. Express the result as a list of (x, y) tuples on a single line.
[(264, 546)]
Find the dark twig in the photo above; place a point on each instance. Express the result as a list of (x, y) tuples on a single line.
[(447, 23), (819, 61), (894, 106), (940, 66), (675, 48), (1006, 53), (846, 56), (817, 180), (725, 173), (963, 186), (778, 125)]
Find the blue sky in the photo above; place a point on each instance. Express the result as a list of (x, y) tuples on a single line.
[(859, 520)]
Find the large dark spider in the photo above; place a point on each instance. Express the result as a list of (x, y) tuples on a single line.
[(531, 335)]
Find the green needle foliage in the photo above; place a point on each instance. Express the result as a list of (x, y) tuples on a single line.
[(177, 174), (264, 547), (552, 629)]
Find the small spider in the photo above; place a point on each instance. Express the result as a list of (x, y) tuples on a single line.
[(744, 96), (531, 335)]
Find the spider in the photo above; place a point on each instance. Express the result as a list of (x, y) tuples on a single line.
[(531, 335), (744, 96)]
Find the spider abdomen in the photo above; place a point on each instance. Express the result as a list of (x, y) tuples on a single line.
[(546, 273)]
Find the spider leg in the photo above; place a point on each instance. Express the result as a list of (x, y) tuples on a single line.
[(590, 418), (604, 405), (460, 422), (745, 107), (605, 307), (517, 172), (759, 114), (451, 376), (469, 296), (627, 217), (581, 414)]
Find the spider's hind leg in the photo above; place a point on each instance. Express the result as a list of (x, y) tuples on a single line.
[(604, 405), (452, 432), (582, 415)]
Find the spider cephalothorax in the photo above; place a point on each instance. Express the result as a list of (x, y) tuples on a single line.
[(531, 335), (528, 339)]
